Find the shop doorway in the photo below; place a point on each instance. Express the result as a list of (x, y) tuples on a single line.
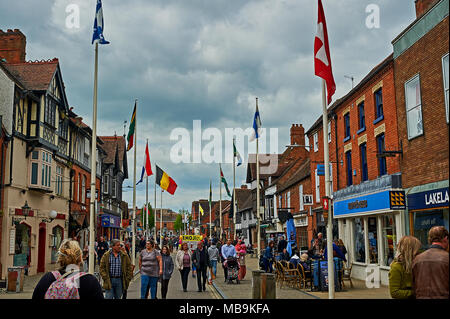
[(41, 248), (22, 249)]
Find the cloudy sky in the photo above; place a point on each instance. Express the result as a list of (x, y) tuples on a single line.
[(206, 60)]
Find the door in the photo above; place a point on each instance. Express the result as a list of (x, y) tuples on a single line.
[(41, 248)]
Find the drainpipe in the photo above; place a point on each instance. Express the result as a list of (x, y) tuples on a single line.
[(334, 115)]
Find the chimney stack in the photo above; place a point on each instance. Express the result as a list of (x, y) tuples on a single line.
[(297, 134), (12, 46), (422, 6)]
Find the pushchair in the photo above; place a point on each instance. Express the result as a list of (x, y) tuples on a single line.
[(232, 266)]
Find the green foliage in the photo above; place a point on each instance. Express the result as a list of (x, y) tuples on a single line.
[(178, 225)]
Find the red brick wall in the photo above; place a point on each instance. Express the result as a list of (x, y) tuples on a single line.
[(425, 158), (12, 46), (390, 122), (422, 6)]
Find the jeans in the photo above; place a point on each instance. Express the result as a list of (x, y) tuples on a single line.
[(164, 288), (201, 272), (267, 265), (184, 277), (214, 266), (148, 283), (116, 290)]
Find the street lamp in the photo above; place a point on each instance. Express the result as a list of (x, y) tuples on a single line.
[(26, 210), (52, 216)]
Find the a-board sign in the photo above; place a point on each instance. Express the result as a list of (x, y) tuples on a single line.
[(191, 240)]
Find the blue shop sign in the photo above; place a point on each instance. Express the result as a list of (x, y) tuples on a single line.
[(110, 221), (371, 203), (429, 199)]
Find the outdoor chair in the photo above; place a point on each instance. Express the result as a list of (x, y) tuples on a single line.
[(289, 275), (346, 274)]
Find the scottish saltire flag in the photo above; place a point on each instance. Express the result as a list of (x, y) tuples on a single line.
[(98, 25), (256, 125), (237, 155)]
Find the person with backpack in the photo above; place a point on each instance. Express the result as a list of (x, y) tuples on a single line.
[(116, 271), (68, 282)]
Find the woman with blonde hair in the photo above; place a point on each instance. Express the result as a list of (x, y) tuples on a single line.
[(70, 260), (183, 264), (400, 274)]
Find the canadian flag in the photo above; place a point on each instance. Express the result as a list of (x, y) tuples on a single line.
[(322, 60)]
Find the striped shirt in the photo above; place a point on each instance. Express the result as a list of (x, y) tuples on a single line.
[(115, 265)]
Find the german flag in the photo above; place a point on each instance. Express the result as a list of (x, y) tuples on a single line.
[(165, 181)]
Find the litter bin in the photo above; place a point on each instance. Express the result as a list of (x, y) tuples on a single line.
[(256, 283), (15, 279), (268, 286)]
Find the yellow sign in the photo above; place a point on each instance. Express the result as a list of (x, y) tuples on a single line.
[(191, 237)]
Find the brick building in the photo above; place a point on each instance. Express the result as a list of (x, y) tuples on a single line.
[(421, 54)]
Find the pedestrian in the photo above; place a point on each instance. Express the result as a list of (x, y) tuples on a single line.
[(241, 252), (183, 264), (53, 285), (282, 244), (116, 271), (227, 250), (214, 256), (268, 257), (150, 266), (102, 248), (341, 246), (295, 259), (284, 255), (430, 269), (200, 258), (400, 273), (167, 263)]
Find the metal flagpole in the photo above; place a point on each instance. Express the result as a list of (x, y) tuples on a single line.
[(258, 217), (133, 227), (160, 223), (234, 189), (327, 194), (146, 205), (154, 210), (220, 203), (93, 170), (210, 224), (199, 222)]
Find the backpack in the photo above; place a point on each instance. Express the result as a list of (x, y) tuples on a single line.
[(64, 287)]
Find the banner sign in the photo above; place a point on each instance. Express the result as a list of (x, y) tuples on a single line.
[(429, 199)]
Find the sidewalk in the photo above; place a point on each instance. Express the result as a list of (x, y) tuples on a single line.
[(243, 290)]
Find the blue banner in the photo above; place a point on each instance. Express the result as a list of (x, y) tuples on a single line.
[(429, 199), (363, 204), (291, 235)]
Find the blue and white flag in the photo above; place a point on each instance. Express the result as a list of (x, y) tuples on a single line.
[(236, 154), (291, 235), (142, 176), (98, 25), (256, 125)]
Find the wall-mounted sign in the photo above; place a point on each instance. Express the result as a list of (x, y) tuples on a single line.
[(320, 170), (307, 199), (397, 199), (110, 221), (429, 199)]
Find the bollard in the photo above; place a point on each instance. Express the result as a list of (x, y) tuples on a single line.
[(268, 286), (256, 283)]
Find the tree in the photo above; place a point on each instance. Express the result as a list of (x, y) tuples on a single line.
[(151, 217), (178, 225)]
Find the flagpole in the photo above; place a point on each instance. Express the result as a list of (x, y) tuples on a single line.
[(93, 170), (327, 195), (220, 203), (258, 217), (146, 204), (133, 227), (160, 223), (154, 210), (234, 189), (199, 232), (210, 226)]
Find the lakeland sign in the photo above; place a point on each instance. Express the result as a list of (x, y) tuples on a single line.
[(429, 199)]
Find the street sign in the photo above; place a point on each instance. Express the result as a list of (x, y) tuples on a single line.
[(325, 203), (307, 199)]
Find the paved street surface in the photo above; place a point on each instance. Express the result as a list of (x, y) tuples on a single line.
[(220, 289)]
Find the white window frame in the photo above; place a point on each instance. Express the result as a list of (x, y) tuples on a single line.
[(316, 141), (288, 199), (300, 192), (83, 189), (446, 89), (414, 78), (317, 189), (331, 178), (43, 162), (59, 180), (329, 131)]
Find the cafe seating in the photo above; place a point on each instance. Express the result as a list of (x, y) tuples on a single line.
[(346, 274)]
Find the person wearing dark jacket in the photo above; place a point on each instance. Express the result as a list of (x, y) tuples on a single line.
[(200, 259), (167, 262), (102, 248), (69, 255)]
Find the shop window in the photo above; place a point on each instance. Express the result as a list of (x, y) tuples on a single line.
[(22, 249), (389, 239), (373, 238), (360, 248), (57, 237), (424, 220), (413, 107)]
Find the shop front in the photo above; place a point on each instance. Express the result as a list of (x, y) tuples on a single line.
[(370, 226), (427, 209), (110, 226)]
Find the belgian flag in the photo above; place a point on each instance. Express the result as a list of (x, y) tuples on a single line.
[(165, 181)]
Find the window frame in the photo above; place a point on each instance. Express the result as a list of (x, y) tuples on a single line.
[(361, 116), (364, 164), (347, 127), (317, 188), (446, 89), (329, 131), (378, 106), (382, 163), (418, 106), (316, 141), (349, 168)]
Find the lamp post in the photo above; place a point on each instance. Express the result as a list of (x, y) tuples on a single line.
[(26, 209), (52, 216)]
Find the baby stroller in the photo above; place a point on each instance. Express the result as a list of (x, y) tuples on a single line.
[(232, 266)]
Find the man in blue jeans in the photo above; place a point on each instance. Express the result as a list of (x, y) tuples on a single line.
[(116, 271)]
